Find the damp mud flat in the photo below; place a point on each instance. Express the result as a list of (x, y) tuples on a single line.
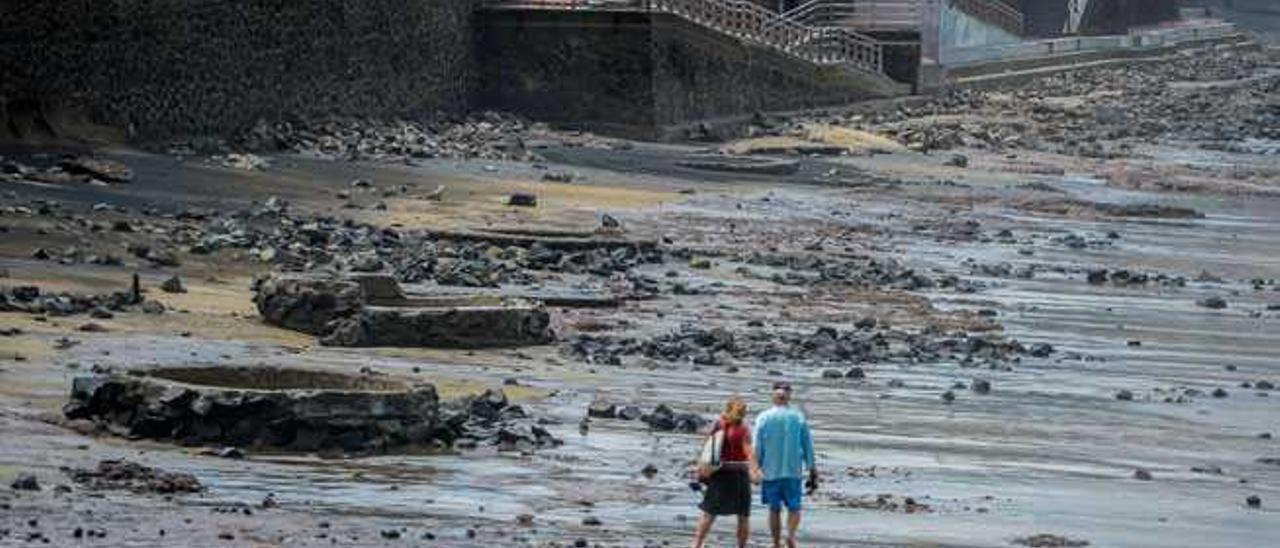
[(988, 356)]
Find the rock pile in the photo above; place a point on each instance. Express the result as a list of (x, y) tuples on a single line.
[(131, 476), (488, 136), (808, 269), (883, 502), (69, 169), (1125, 106), (31, 300), (490, 419), (1045, 540), (718, 346), (662, 418)]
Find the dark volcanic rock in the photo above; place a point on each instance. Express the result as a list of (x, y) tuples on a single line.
[(602, 410), (173, 285), (522, 199), (131, 476), (491, 419), (1044, 540), (663, 418), (102, 169), (31, 300), (1215, 303), (25, 482)]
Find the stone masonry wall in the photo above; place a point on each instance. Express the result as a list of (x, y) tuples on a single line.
[(163, 68), (644, 74)]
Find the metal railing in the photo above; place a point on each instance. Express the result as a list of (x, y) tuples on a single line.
[(891, 15), (750, 22), (868, 15), (997, 12)]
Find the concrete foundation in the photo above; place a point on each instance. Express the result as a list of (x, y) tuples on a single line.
[(372, 310), (260, 407)]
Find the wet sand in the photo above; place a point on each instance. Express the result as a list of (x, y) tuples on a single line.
[(1049, 450)]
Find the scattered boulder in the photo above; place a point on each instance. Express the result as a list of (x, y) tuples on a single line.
[(522, 199), (1253, 501), (630, 413), (1214, 303), (1041, 350), (1142, 475), (1044, 540), (25, 482), (981, 386), (602, 410), (664, 419), (173, 285), (1124, 395)]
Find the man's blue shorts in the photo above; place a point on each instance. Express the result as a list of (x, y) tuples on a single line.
[(782, 492)]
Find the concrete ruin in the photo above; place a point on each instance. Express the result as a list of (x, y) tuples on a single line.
[(260, 407), (372, 310)]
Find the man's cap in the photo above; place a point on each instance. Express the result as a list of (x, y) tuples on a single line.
[(782, 385)]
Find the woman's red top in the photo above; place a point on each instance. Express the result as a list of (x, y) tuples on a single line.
[(736, 437)]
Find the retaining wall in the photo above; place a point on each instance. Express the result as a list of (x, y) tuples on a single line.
[(643, 74), (181, 67), (1031, 49)]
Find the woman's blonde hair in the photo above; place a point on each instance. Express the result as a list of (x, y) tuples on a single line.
[(734, 410)]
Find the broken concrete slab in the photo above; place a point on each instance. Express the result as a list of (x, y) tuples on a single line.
[(263, 407), (372, 310), (306, 303), (462, 322)]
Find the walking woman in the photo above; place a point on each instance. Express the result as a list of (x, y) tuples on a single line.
[(728, 490)]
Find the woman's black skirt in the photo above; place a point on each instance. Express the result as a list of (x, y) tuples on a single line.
[(728, 493)]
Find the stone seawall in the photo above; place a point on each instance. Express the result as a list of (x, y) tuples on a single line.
[(210, 67), (645, 75)]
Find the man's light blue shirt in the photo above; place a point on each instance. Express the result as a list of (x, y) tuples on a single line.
[(783, 444)]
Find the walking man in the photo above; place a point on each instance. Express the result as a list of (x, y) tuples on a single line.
[(784, 449)]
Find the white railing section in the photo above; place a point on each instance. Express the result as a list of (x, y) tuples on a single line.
[(867, 15), (748, 21)]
